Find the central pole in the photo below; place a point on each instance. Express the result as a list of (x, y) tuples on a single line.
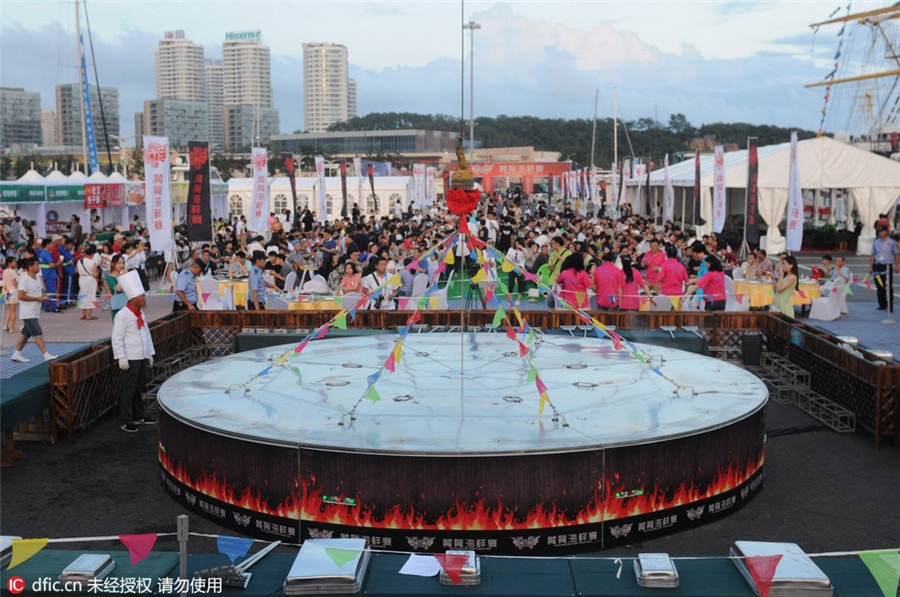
[(472, 26)]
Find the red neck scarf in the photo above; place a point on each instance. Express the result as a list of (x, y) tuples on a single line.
[(137, 313)]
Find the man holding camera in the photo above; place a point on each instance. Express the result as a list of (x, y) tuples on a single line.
[(884, 264)]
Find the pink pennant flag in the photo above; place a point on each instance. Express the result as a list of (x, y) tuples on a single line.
[(402, 301), (414, 318), (489, 294), (413, 264), (739, 297), (322, 332), (389, 363), (541, 386), (530, 277), (139, 546), (868, 283), (801, 294), (452, 565), (206, 296), (299, 348), (762, 569), (510, 332), (523, 350), (441, 268)]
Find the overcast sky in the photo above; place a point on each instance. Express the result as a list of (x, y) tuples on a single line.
[(710, 60)]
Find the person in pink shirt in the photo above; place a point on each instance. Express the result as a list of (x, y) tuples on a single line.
[(609, 282), (713, 285), (653, 264), (674, 275), (631, 300), (574, 282)]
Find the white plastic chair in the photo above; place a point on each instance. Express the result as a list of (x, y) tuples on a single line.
[(441, 296), (227, 299), (420, 284), (277, 304), (834, 287), (738, 274), (289, 281), (321, 278), (315, 285), (173, 276), (731, 302), (827, 308), (269, 279), (660, 302)]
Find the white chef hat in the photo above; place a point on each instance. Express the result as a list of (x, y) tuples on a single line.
[(131, 284)]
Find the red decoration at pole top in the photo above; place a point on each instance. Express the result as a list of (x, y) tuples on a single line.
[(462, 202)]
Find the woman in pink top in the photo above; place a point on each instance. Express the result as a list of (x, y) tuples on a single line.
[(713, 285), (352, 280), (653, 261), (574, 281), (631, 300), (674, 275), (11, 290), (608, 283)]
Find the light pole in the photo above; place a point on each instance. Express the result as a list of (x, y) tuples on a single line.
[(122, 159), (472, 26)]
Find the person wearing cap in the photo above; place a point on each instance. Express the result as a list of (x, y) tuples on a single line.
[(884, 263), (186, 288), (31, 297), (132, 347)]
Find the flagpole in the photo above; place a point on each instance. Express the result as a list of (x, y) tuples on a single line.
[(745, 248), (81, 83), (616, 127)]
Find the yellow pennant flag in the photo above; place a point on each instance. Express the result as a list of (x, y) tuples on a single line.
[(544, 400), (24, 549), (597, 323), (675, 300), (480, 255), (395, 280), (433, 302), (450, 259), (481, 276), (507, 265), (398, 350), (519, 317)]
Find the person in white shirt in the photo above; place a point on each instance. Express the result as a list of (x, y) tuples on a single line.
[(840, 274), (371, 282), (132, 347), (516, 256), (31, 297)]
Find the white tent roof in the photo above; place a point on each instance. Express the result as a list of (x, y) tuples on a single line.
[(77, 176), (31, 176), (95, 177), (116, 177), (57, 177)]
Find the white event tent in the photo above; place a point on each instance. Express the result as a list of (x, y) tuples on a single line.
[(872, 181)]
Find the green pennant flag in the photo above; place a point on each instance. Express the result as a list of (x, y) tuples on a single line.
[(337, 300), (341, 322), (296, 370), (372, 394), (498, 317), (639, 357), (341, 557), (532, 373), (531, 336), (885, 568), (423, 301)]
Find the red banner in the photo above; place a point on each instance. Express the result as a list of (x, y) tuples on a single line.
[(97, 196), (199, 208), (752, 194)]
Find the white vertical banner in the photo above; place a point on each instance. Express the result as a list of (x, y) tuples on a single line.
[(158, 200), (623, 193), (794, 234), (429, 186), (719, 190), (593, 183), (419, 182), (322, 203), (613, 198), (258, 220), (360, 190), (669, 213)]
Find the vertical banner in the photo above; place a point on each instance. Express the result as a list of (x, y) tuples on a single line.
[(158, 201), (719, 191), (199, 205), (371, 174), (794, 234), (650, 207), (290, 167), (445, 176), (90, 138), (622, 189), (360, 189), (343, 189), (322, 200), (752, 225), (429, 185), (419, 184), (614, 187), (669, 207), (592, 183), (696, 215), (258, 221)]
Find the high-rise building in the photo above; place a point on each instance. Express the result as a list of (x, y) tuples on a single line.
[(215, 102), (139, 129), (247, 89), (68, 112), (48, 128), (20, 117), (329, 94), (179, 68), (178, 120)]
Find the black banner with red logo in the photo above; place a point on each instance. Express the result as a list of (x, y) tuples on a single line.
[(697, 218), (199, 208), (290, 167), (752, 194), (344, 189)]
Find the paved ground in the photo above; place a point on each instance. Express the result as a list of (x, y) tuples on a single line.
[(824, 491)]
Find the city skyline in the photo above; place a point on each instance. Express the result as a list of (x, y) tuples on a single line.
[(712, 61)]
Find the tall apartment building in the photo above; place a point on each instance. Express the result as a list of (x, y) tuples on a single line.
[(20, 117), (48, 128), (215, 102), (180, 121), (68, 112), (179, 69), (329, 94), (247, 89)]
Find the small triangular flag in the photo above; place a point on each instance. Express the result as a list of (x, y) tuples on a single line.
[(337, 300), (341, 322), (539, 383), (233, 547), (481, 276), (532, 373), (449, 259), (762, 569), (499, 316), (452, 565), (544, 400), (395, 280), (523, 350), (885, 568), (24, 549), (139, 546), (389, 363), (341, 557), (372, 394), (507, 266)]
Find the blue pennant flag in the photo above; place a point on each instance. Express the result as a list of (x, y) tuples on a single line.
[(374, 377), (657, 371), (265, 371), (234, 547)]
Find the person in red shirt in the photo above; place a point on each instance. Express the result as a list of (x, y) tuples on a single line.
[(631, 300), (674, 274), (574, 282), (713, 285), (652, 264), (609, 282)]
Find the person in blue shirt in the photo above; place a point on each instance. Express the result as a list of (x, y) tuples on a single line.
[(885, 262), (186, 288), (48, 273), (67, 252), (256, 297)]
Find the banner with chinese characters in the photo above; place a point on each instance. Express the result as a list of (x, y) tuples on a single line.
[(199, 212), (669, 208), (429, 186), (419, 184), (794, 234), (101, 195), (360, 189), (752, 193), (719, 190), (258, 219), (321, 197), (158, 201)]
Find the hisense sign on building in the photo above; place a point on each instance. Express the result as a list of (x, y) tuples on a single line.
[(243, 35)]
